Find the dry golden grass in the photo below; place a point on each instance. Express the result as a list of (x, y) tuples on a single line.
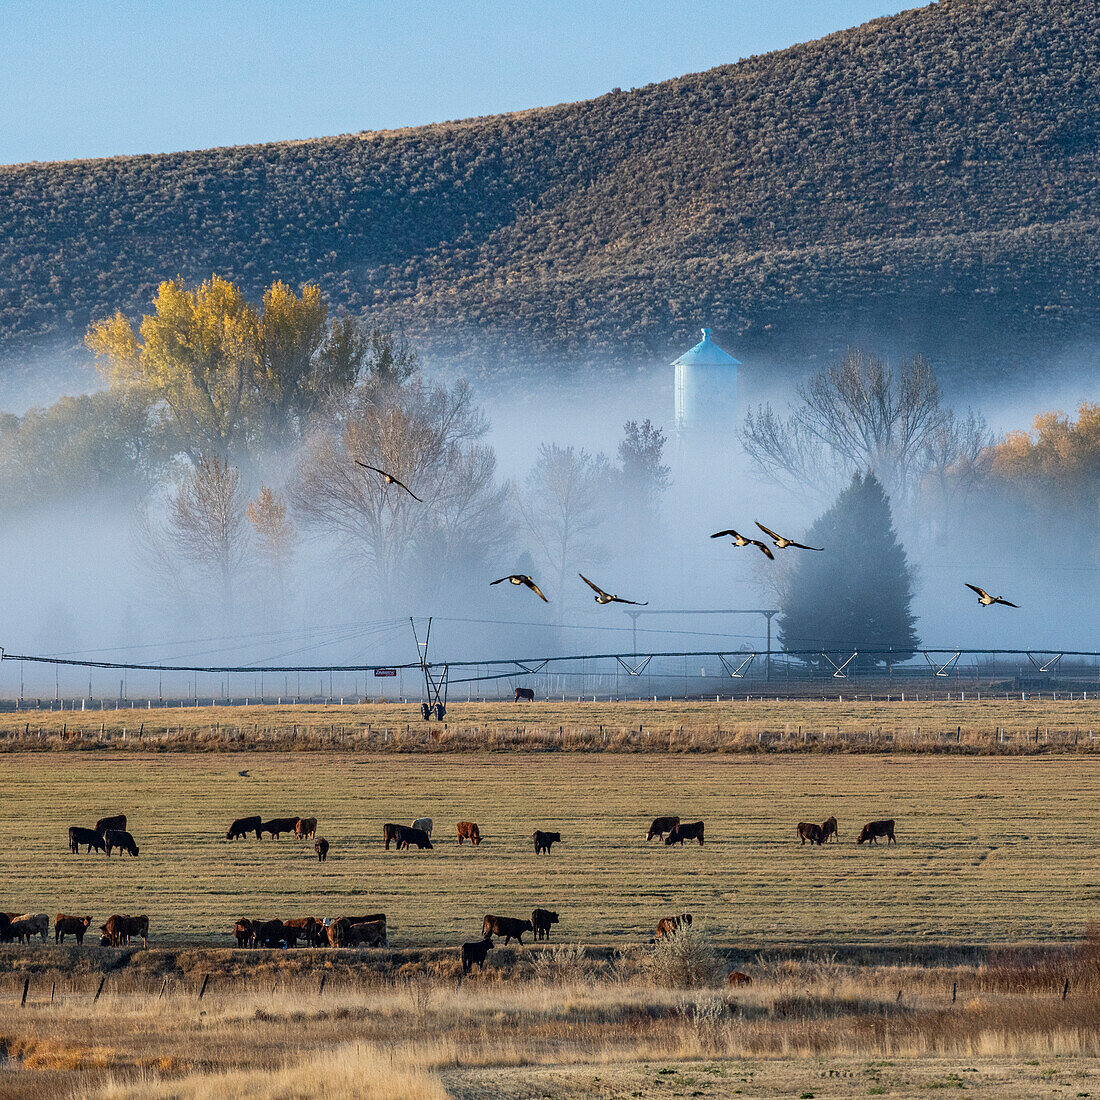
[(989, 850), (820, 1027), (842, 722)]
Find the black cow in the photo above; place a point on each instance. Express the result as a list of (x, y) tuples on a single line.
[(679, 833), (78, 836), (404, 836), (120, 839), (245, 825), (541, 919), (276, 826), (525, 695), (660, 826), (321, 848), (473, 954), (544, 840)]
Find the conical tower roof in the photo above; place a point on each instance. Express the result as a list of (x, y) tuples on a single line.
[(706, 353)]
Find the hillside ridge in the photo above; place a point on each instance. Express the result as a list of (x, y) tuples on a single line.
[(923, 182)]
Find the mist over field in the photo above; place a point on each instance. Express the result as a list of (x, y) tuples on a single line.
[(82, 580)]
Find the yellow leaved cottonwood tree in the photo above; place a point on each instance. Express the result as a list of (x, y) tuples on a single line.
[(233, 378)]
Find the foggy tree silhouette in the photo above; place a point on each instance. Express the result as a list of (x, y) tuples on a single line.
[(857, 594)]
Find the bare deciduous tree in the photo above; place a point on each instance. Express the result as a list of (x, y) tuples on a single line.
[(563, 508), (860, 415), (207, 523), (428, 437)]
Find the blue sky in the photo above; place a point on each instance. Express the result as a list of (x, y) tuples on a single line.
[(88, 78)]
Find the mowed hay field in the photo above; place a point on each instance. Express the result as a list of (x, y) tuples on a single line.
[(989, 850)]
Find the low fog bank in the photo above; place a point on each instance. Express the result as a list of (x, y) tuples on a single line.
[(82, 577)]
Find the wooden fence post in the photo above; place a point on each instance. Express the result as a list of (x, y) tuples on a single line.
[(102, 983), (205, 982), (27, 985)]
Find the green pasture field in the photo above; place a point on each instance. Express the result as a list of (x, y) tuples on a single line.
[(989, 850)]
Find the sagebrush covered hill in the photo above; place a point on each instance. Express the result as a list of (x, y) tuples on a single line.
[(929, 181)]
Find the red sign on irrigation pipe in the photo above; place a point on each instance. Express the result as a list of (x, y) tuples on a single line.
[(385, 672)]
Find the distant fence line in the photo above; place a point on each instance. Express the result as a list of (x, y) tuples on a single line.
[(732, 737)]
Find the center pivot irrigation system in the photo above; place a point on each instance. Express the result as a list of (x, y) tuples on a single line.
[(439, 676)]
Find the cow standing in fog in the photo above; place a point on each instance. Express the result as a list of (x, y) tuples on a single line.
[(525, 695)]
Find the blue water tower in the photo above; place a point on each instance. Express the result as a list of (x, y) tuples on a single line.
[(706, 390)]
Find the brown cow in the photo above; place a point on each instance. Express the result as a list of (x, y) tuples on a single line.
[(309, 929), (320, 846), (525, 695), (508, 927), (72, 926), (120, 929), (305, 827), (278, 825), (370, 918), (667, 925), (118, 821), (244, 932), (473, 954), (874, 829), (662, 825), (467, 830), (829, 829), (738, 977), (371, 933), (544, 840), (807, 830), (541, 919), (679, 833)]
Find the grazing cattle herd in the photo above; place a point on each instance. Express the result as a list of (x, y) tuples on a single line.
[(369, 930)]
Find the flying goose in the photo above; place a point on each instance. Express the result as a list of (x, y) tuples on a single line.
[(985, 599), (782, 543), (740, 540), (606, 597), (522, 578), (389, 479)]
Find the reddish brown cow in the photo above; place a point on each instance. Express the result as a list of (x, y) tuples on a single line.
[(508, 927), (467, 830), (71, 926), (807, 830), (305, 827), (667, 925), (829, 829), (309, 929), (120, 929), (243, 931), (738, 977), (874, 829)]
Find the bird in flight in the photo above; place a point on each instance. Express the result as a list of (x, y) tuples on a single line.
[(389, 479), (740, 540), (782, 543), (522, 578), (606, 597), (985, 599)]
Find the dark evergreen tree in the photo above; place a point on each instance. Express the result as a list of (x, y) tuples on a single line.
[(856, 595)]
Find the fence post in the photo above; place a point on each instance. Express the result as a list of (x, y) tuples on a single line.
[(27, 985), (205, 982), (1065, 989), (954, 991), (102, 983)]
